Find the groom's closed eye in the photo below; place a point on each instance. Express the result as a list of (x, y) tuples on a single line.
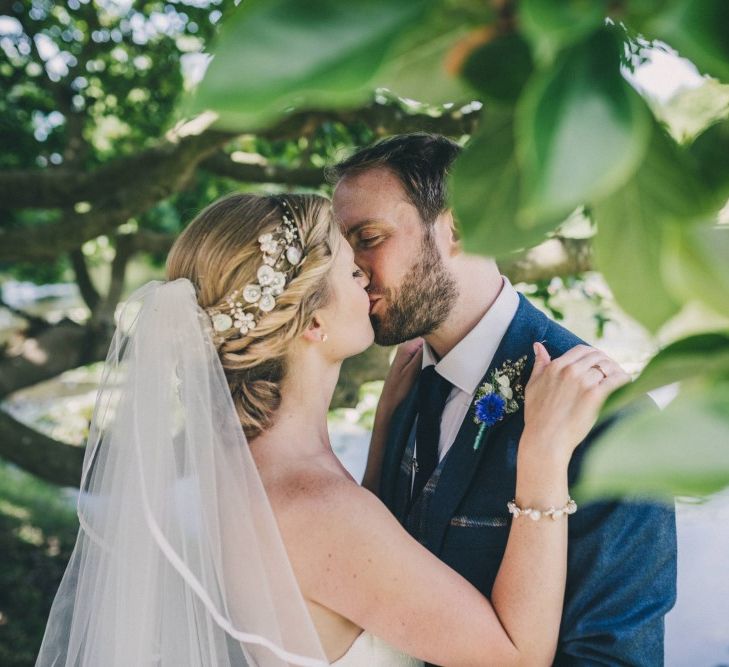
[(369, 240), (369, 237)]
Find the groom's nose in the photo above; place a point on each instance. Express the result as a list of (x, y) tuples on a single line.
[(364, 279)]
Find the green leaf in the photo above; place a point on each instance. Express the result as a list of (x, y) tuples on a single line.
[(551, 25), (500, 68), (629, 252), (634, 224), (581, 129), (277, 54), (698, 30), (702, 355), (710, 150), (486, 184), (682, 450), (417, 69), (697, 264)]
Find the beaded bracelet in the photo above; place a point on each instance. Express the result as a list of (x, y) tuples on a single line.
[(535, 515)]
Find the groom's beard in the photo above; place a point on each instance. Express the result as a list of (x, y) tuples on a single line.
[(422, 302)]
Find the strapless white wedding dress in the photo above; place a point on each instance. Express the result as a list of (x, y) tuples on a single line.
[(370, 651)]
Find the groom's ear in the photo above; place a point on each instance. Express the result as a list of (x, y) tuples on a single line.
[(454, 239)]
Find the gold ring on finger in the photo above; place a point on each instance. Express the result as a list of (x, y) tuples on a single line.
[(598, 367)]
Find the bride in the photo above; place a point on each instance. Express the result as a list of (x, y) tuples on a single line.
[(217, 526)]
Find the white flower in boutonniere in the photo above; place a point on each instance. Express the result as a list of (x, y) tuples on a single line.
[(502, 394)]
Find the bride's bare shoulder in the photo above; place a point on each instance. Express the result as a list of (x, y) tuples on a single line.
[(296, 493), (317, 503)]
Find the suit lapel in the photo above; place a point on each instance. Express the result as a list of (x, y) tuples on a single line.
[(527, 326), (399, 431)]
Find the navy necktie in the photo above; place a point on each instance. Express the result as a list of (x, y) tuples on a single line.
[(433, 391)]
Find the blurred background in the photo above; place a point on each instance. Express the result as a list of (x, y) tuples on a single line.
[(120, 120)]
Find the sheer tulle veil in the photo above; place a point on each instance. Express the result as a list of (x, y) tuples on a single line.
[(178, 560)]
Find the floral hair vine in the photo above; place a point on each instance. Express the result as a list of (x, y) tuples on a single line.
[(282, 252)]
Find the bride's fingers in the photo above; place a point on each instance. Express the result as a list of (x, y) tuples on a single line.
[(590, 364), (407, 352), (614, 380), (571, 356), (412, 346)]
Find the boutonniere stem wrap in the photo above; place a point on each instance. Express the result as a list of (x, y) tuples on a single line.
[(502, 394)]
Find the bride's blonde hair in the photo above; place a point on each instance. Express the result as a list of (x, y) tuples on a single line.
[(219, 252)]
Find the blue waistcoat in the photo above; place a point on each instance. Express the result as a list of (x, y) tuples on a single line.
[(621, 578)]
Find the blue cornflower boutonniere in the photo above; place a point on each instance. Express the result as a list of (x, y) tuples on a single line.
[(500, 395)]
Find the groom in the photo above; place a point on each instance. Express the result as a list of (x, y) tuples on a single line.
[(447, 488)]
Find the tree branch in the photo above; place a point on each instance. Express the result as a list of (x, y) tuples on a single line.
[(55, 349), (122, 189), (85, 285), (37, 323), (382, 119), (103, 318), (53, 461), (556, 257), (222, 164), (54, 188)]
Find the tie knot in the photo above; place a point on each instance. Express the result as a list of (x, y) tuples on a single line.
[(433, 388)]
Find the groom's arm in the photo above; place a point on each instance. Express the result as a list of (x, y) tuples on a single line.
[(621, 583), (621, 578)]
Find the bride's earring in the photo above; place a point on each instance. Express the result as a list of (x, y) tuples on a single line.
[(324, 338)]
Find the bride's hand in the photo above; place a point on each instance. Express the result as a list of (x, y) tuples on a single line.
[(563, 396), (403, 373)]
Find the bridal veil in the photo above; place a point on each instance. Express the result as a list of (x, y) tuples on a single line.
[(178, 560)]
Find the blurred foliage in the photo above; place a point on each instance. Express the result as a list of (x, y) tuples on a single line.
[(37, 534), (85, 83), (563, 128), (123, 64)]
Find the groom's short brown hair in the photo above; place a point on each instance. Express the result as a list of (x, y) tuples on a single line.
[(420, 161)]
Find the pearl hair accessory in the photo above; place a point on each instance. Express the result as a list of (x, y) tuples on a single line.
[(569, 508), (282, 252)]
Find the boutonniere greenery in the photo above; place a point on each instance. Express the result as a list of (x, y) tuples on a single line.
[(502, 394)]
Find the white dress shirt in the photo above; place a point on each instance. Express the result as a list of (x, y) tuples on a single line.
[(466, 364)]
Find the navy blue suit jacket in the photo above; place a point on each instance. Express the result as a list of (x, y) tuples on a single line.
[(621, 577)]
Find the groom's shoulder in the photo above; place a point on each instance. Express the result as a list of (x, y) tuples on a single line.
[(557, 338)]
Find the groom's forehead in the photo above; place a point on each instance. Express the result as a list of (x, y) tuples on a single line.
[(367, 197), (367, 186)]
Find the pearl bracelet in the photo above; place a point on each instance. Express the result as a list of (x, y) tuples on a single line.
[(535, 515)]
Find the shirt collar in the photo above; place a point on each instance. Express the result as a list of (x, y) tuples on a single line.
[(466, 364)]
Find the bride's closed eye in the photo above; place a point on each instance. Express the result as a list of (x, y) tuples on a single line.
[(357, 273)]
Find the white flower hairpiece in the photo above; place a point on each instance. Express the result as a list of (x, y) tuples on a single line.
[(282, 252)]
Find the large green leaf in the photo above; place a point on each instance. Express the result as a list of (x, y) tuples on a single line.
[(581, 129), (417, 68), (701, 355), (682, 450), (634, 224), (699, 30), (710, 150), (499, 69), (486, 187), (697, 264), (551, 25), (276, 54), (629, 253)]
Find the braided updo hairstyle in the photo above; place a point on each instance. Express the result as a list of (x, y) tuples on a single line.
[(219, 252)]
